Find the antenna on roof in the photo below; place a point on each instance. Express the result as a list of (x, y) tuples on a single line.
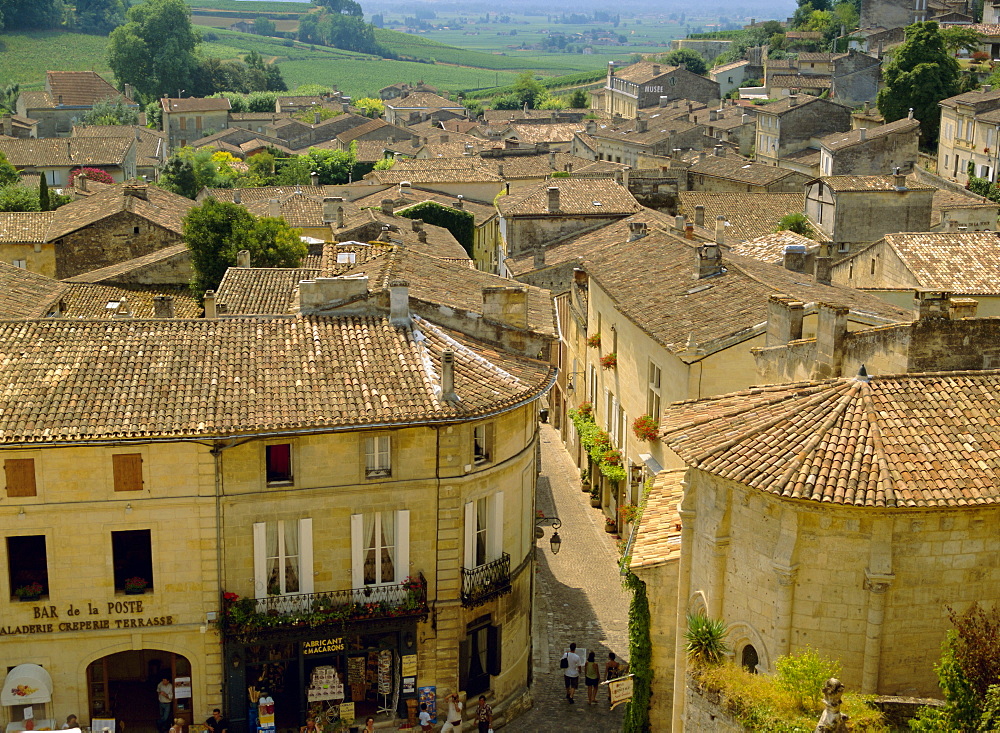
[(862, 374)]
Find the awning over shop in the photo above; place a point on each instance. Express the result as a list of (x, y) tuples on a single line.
[(651, 463), (26, 684)]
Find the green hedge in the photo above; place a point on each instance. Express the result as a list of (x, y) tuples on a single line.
[(640, 657)]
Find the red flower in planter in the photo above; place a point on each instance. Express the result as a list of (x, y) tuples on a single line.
[(645, 428), (609, 361)]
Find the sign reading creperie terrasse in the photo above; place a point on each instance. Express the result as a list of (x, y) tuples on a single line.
[(123, 616)]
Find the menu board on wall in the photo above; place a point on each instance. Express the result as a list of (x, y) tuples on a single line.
[(428, 696), (409, 665), (356, 670)]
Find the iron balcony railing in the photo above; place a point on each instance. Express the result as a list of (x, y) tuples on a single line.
[(486, 582), (246, 619)]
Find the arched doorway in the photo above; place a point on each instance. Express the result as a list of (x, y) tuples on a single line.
[(123, 686), (749, 659)]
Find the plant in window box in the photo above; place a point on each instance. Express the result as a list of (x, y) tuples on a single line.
[(595, 496), (610, 525), (135, 586), (629, 513), (585, 410), (29, 592), (585, 479), (609, 361), (594, 341), (645, 428)]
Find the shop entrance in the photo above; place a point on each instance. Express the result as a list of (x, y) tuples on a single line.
[(123, 687)]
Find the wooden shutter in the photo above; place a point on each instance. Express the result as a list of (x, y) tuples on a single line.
[(495, 548), (494, 646), (260, 560), (357, 550), (20, 476), (488, 440), (402, 545), (469, 559), (306, 556), (128, 471)]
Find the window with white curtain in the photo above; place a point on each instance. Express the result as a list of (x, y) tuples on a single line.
[(380, 548), (378, 456), (483, 530), (283, 557)]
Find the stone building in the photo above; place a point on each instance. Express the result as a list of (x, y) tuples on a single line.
[(412, 107), (789, 125), (632, 88), (57, 158), (188, 119), (730, 76), (871, 151), (966, 264), (849, 78), (66, 98), (635, 141), (856, 210), (151, 145), (855, 547), (969, 134), (889, 14), (280, 520)]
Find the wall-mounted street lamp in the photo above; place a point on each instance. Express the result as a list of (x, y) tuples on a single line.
[(555, 541)]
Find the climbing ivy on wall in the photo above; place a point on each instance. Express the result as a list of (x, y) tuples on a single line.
[(461, 224), (640, 654)]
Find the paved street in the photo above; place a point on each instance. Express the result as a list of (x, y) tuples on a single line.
[(578, 597)]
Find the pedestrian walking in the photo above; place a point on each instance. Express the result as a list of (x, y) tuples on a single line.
[(484, 716), (570, 664), (425, 718), (592, 677), (454, 722), (612, 670)]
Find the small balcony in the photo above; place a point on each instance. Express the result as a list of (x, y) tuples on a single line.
[(248, 619), (486, 582)]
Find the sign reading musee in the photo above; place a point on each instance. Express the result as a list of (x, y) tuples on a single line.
[(49, 618)]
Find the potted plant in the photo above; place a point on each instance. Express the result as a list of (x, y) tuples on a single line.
[(610, 525), (135, 586), (645, 428), (594, 341), (29, 592), (609, 361), (595, 496)]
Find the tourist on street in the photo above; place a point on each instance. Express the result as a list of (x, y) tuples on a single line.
[(592, 675), (454, 722), (484, 716), (571, 664), (612, 670), (216, 723), (369, 725), (165, 696), (178, 726), (425, 718)]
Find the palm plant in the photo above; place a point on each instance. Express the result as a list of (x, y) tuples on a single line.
[(706, 639)]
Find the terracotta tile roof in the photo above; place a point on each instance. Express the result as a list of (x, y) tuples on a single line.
[(577, 197), (806, 156), (161, 207), (266, 193), (151, 144), (338, 258), (80, 88), (422, 100), (457, 174), (846, 184), (194, 104), (368, 227), (67, 151), (820, 56), (24, 226), (67, 380), (261, 291), (121, 269), (749, 215), (712, 310), (771, 247), (658, 537), (413, 195), (783, 106), (26, 294), (642, 72), (977, 97), (36, 100), (800, 81), (370, 126), (447, 283), (729, 67), (546, 133), (960, 262), (949, 200), (913, 440), (841, 140), (90, 301), (740, 170), (656, 131)]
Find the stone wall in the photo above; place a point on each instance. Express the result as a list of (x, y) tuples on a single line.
[(108, 242), (865, 216), (798, 125), (679, 84), (878, 156), (703, 712)]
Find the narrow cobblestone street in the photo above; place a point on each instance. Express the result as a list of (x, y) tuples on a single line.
[(578, 597)]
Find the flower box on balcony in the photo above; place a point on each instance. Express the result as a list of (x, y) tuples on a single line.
[(609, 361), (594, 341)]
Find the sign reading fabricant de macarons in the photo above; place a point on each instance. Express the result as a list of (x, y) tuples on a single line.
[(49, 618)]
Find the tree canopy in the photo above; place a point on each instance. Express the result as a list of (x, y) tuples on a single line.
[(919, 74), (99, 16), (111, 111), (691, 59), (217, 230)]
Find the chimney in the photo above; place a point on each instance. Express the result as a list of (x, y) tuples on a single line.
[(664, 100), (931, 303), (500, 169), (720, 230), (399, 302), (689, 230), (163, 306), (744, 119), (611, 68), (656, 69), (128, 91), (713, 115), (81, 182), (591, 127), (699, 215), (900, 180), (824, 264), (417, 224), (641, 125), (384, 235), (866, 108), (864, 133), (237, 197), (539, 257), (316, 117), (552, 205), (636, 230), (793, 99), (123, 310), (831, 328), (679, 223), (8, 125), (345, 107), (580, 278), (795, 257), (460, 202), (718, 150), (784, 320), (243, 258), (709, 260), (552, 161), (507, 305), (314, 177), (137, 190), (422, 235), (448, 376), (387, 206), (209, 302), (273, 208), (962, 308), (987, 88), (701, 156)]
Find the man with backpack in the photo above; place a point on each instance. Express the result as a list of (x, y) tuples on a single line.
[(570, 665)]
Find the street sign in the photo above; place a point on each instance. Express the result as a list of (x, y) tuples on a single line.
[(620, 689)]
